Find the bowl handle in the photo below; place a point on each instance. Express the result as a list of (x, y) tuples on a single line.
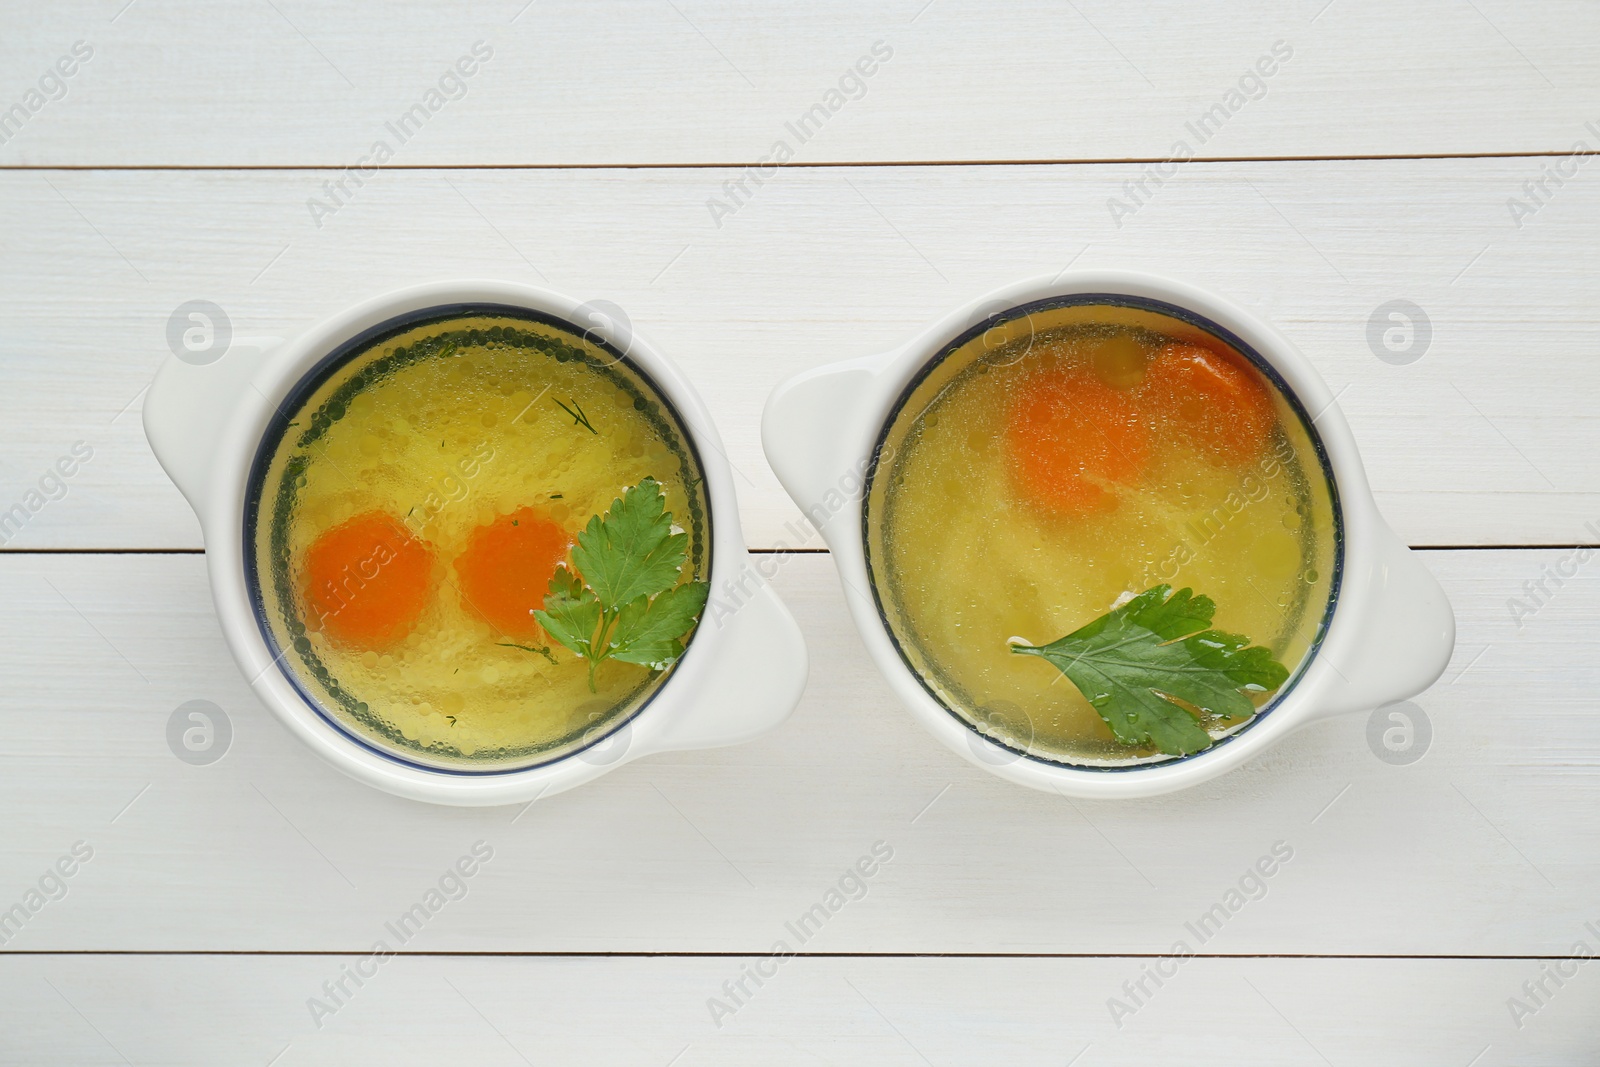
[(759, 673), (811, 432), (1409, 635), (188, 407)]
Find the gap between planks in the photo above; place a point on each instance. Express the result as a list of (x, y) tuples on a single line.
[(817, 165), (642, 954)]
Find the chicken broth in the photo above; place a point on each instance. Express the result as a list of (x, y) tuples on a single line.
[(411, 513), (1049, 469)]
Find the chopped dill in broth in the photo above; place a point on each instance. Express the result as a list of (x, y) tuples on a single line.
[(408, 522), (1064, 461)]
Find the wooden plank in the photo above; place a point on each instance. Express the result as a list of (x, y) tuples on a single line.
[(241, 1009), (699, 81), (1487, 845), (1485, 439)]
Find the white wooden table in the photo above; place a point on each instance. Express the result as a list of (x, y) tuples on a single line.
[(1378, 162)]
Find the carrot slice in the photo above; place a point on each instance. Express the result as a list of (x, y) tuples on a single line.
[(1068, 435), (506, 568), (1216, 401), (367, 580)]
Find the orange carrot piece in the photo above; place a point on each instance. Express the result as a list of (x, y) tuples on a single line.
[(1214, 399), (366, 581), (506, 568), (1068, 435)]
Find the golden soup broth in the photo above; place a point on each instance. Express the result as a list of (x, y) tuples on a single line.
[(477, 447), (987, 520)]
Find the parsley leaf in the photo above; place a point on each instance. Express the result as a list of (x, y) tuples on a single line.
[(632, 552), (1135, 662), (622, 600), (648, 630)]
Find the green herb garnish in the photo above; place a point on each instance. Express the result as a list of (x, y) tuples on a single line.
[(627, 604), (543, 650), (578, 417), (1145, 664)]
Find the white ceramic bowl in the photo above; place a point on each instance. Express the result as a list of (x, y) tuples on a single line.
[(1391, 631), (741, 674)]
